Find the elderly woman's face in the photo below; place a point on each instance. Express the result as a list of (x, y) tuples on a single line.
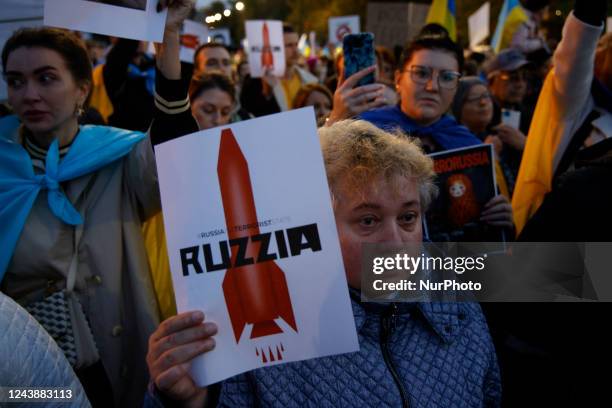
[(426, 102), (477, 109), (383, 211), (41, 89)]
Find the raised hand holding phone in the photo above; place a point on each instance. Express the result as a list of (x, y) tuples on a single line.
[(351, 100)]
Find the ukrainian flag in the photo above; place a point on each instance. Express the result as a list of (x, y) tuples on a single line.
[(510, 17), (443, 12)]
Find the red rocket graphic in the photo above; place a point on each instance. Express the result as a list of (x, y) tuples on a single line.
[(256, 293), (267, 59), (190, 41)]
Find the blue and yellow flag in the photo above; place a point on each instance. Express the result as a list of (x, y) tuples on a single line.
[(443, 12), (510, 17)]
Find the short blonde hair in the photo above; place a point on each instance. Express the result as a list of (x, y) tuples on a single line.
[(356, 152)]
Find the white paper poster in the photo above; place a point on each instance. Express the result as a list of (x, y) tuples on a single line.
[(6, 30), (252, 242), (135, 19), (478, 25), (266, 47), (511, 118), (341, 26), (194, 34)]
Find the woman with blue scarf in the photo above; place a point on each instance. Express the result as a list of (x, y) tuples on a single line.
[(72, 201), (426, 81)]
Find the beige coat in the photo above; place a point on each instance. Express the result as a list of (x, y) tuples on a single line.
[(113, 278)]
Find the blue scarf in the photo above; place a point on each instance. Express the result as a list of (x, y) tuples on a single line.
[(93, 148), (446, 132)]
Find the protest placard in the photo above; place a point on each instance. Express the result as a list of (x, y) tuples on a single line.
[(220, 35), (252, 242), (266, 47), (466, 182), (193, 35), (341, 26), (135, 19), (478, 25)]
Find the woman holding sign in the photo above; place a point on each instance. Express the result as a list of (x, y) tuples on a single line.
[(73, 200), (427, 80), (381, 185)]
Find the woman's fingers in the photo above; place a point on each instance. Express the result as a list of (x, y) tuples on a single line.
[(185, 336), (498, 212), (182, 354), (351, 81), (176, 323), (364, 98), (376, 103), (169, 378), (365, 89)]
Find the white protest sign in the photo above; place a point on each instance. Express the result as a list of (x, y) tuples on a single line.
[(266, 47), (135, 19), (194, 34), (511, 118), (6, 30), (341, 26), (478, 25), (252, 242)]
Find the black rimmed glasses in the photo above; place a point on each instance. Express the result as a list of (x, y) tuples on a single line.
[(447, 79)]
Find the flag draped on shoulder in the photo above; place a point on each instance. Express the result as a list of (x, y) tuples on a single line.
[(443, 12), (93, 148)]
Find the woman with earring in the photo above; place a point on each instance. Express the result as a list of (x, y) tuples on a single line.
[(72, 201)]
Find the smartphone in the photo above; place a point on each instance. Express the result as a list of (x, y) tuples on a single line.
[(358, 52)]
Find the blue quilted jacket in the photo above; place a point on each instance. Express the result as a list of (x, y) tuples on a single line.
[(415, 355)]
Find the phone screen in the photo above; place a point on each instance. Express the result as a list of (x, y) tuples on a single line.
[(358, 52)]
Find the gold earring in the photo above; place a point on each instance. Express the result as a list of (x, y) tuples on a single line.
[(78, 111)]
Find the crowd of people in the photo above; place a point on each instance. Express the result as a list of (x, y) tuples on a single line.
[(81, 212)]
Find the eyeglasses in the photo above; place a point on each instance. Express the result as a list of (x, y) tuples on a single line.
[(447, 79), (480, 98)]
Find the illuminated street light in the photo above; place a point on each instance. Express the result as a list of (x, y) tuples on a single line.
[(218, 17), (240, 6), (227, 13)]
